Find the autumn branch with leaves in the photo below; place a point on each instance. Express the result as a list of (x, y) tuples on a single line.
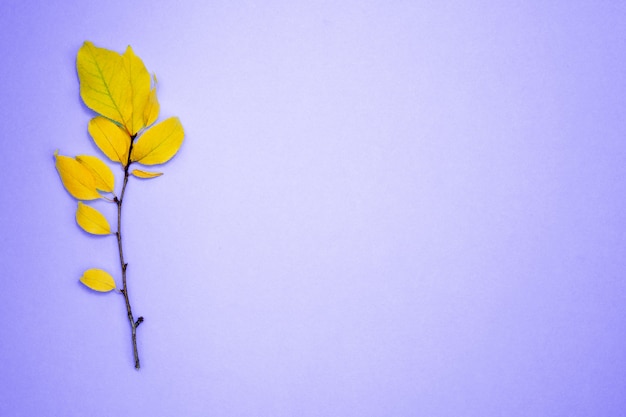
[(120, 90)]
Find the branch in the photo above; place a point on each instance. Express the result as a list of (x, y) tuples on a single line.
[(124, 291)]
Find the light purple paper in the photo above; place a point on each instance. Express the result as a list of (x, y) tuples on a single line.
[(381, 208)]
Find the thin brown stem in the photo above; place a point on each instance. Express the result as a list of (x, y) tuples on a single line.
[(124, 291)]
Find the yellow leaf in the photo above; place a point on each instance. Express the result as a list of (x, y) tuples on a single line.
[(76, 178), (98, 280), (160, 143), (112, 140), (140, 89), (105, 84), (101, 172), (145, 174), (91, 220), (151, 111)]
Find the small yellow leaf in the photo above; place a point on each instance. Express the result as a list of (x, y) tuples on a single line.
[(91, 220), (112, 140), (160, 143), (105, 84), (140, 89), (145, 174), (101, 172), (76, 178), (151, 111), (98, 280)]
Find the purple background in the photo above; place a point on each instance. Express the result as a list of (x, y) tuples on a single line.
[(382, 208)]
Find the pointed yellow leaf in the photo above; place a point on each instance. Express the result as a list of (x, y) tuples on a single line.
[(76, 178), (145, 174), (98, 280), (140, 89), (160, 143), (112, 140), (101, 172), (91, 220), (105, 84), (151, 111)]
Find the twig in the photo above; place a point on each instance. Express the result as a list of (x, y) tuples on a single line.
[(124, 291)]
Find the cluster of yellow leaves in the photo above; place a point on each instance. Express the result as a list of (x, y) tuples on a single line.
[(120, 90)]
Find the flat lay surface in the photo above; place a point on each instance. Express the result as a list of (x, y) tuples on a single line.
[(381, 208)]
